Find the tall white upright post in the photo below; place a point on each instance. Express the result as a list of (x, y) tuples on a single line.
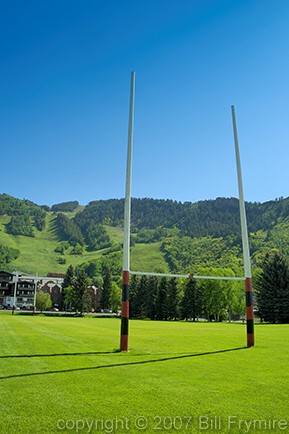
[(15, 278), (127, 213), (35, 293), (245, 241)]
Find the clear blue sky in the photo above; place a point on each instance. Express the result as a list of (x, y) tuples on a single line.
[(64, 96)]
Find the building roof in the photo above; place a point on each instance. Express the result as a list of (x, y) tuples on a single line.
[(6, 273), (60, 275)]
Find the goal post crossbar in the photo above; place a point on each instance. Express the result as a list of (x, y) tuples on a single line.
[(185, 276)]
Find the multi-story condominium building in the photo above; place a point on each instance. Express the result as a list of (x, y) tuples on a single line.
[(7, 285), (25, 294), (16, 291)]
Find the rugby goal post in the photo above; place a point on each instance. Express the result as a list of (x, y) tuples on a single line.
[(126, 245)]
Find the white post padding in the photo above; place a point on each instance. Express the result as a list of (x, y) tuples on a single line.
[(127, 204), (244, 230)]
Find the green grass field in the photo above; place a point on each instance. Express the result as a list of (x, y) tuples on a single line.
[(62, 374)]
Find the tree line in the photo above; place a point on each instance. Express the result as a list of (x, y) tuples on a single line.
[(76, 290), (171, 299), (183, 299), (69, 206), (215, 218), (157, 298)]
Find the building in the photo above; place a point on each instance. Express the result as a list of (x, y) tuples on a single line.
[(25, 294), (16, 291), (20, 290), (54, 290), (7, 285)]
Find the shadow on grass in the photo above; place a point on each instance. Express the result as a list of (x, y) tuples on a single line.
[(115, 365), (89, 353)]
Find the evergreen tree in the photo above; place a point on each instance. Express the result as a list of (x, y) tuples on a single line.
[(67, 298), (106, 289), (172, 308), (81, 296), (66, 284), (140, 298), (272, 288), (69, 277), (161, 300), (132, 295), (86, 299), (150, 296), (191, 303)]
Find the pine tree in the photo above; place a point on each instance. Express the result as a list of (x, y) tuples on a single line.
[(132, 295), (272, 289), (141, 297), (69, 277), (150, 297), (161, 300), (191, 303), (67, 284), (86, 300), (81, 296), (68, 297), (172, 299)]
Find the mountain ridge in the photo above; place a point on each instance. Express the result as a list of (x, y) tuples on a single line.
[(167, 235)]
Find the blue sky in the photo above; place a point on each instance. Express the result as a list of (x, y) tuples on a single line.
[(65, 75)]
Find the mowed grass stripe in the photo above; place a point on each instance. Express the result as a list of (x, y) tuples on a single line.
[(197, 378)]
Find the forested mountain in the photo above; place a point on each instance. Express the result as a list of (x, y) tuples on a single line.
[(216, 218), (166, 235)]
